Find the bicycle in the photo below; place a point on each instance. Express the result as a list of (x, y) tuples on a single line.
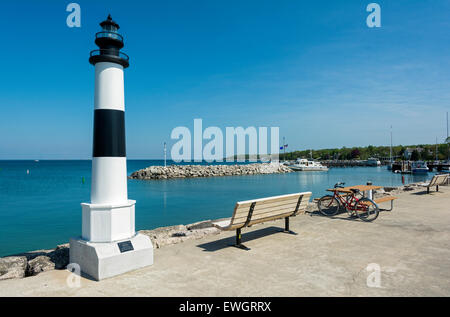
[(366, 209)]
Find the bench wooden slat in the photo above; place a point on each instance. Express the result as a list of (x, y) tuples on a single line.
[(271, 206), (243, 208), (288, 204), (240, 211), (268, 200), (384, 199), (269, 218), (272, 211), (266, 206), (264, 219)]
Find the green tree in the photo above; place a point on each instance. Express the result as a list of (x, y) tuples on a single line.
[(355, 153), (425, 155), (415, 155)]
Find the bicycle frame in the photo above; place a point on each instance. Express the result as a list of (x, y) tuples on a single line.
[(348, 199), (349, 202)]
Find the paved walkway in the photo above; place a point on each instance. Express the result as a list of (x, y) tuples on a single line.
[(328, 257)]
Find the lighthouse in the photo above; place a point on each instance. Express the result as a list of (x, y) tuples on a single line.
[(109, 245)]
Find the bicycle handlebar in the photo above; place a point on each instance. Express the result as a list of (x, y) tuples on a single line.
[(340, 184)]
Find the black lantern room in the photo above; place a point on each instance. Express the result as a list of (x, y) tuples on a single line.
[(109, 42)]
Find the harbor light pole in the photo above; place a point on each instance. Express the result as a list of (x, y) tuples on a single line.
[(165, 155), (109, 244)]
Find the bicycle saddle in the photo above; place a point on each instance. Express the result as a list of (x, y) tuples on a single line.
[(354, 190)]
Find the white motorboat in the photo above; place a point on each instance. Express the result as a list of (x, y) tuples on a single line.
[(372, 161), (307, 165), (419, 167)]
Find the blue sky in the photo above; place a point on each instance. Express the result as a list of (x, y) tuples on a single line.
[(312, 68)]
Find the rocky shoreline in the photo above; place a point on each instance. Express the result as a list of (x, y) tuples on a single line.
[(34, 262), (191, 171)]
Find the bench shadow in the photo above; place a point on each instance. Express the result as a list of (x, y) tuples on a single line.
[(343, 215), (246, 237), (425, 193)]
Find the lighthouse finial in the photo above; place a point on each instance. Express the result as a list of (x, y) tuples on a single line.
[(109, 17)]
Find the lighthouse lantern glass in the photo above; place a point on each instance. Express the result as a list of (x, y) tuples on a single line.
[(110, 31), (109, 28)]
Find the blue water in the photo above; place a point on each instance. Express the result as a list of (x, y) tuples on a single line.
[(42, 209)]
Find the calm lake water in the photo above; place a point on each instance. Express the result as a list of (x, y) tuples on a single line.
[(42, 209)]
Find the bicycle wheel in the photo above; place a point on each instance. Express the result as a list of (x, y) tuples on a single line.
[(367, 210), (328, 205)]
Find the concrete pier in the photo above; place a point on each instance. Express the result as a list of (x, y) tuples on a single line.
[(328, 257)]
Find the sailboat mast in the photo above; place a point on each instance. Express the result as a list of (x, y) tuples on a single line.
[(391, 147), (436, 151)]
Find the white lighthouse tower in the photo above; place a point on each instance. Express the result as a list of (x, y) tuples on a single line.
[(109, 244)]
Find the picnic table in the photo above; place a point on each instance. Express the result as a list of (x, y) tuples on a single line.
[(348, 189), (365, 188)]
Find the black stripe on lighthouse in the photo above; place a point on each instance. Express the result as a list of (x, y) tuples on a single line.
[(109, 133)]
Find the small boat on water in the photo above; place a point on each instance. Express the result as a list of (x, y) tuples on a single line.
[(419, 167), (308, 165), (446, 169), (372, 161)]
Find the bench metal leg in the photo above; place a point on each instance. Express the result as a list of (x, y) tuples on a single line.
[(286, 226), (428, 190), (437, 188), (392, 207), (238, 241)]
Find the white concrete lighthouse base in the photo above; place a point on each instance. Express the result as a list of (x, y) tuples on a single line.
[(101, 260), (108, 222)]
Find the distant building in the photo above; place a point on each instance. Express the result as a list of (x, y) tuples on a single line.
[(408, 152)]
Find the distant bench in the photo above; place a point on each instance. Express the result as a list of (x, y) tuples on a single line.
[(435, 181), (250, 212)]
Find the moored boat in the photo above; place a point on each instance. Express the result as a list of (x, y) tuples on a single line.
[(308, 165), (419, 167), (372, 161)]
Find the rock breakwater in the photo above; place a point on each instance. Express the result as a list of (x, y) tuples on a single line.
[(189, 171)]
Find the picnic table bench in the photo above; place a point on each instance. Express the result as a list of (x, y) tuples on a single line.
[(250, 212)]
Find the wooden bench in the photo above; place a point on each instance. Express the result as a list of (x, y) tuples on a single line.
[(250, 212), (435, 181)]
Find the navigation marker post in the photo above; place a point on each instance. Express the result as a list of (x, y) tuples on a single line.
[(165, 154), (109, 244)]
